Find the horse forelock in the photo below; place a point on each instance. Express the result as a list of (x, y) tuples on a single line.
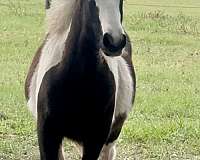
[(59, 16)]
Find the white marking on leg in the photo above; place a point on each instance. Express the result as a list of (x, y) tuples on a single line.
[(63, 152), (108, 152)]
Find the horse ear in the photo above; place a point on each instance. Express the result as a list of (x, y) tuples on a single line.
[(47, 4)]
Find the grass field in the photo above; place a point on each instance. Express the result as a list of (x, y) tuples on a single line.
[(165, 122)]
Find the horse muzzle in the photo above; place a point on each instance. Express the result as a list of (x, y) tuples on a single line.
[(113, 47)]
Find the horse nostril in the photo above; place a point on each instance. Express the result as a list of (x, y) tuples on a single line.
[(107, 40), (114, 45), (123, 40)]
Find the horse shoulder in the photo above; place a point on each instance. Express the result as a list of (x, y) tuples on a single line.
[(32, 69)]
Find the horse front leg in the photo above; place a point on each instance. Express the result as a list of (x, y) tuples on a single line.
[(108, 152), (50, 143), (92, 151)]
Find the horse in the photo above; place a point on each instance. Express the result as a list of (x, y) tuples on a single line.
[(81, 83)]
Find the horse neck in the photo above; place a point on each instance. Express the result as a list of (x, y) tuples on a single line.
[(82, 44)]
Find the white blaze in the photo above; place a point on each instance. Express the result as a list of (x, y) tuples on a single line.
[(110, 17)]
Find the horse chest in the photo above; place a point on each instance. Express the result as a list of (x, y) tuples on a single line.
[(115, 79)]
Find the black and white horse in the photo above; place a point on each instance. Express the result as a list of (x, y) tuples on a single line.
[(81, 83)]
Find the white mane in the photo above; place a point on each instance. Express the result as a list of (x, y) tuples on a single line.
[(59, 16)]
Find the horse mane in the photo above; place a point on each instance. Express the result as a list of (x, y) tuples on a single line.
[(58, 17)]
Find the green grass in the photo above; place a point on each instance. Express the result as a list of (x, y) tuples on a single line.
[(165, 122)]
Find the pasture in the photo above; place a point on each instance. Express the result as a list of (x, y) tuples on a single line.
[(165, 122)]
